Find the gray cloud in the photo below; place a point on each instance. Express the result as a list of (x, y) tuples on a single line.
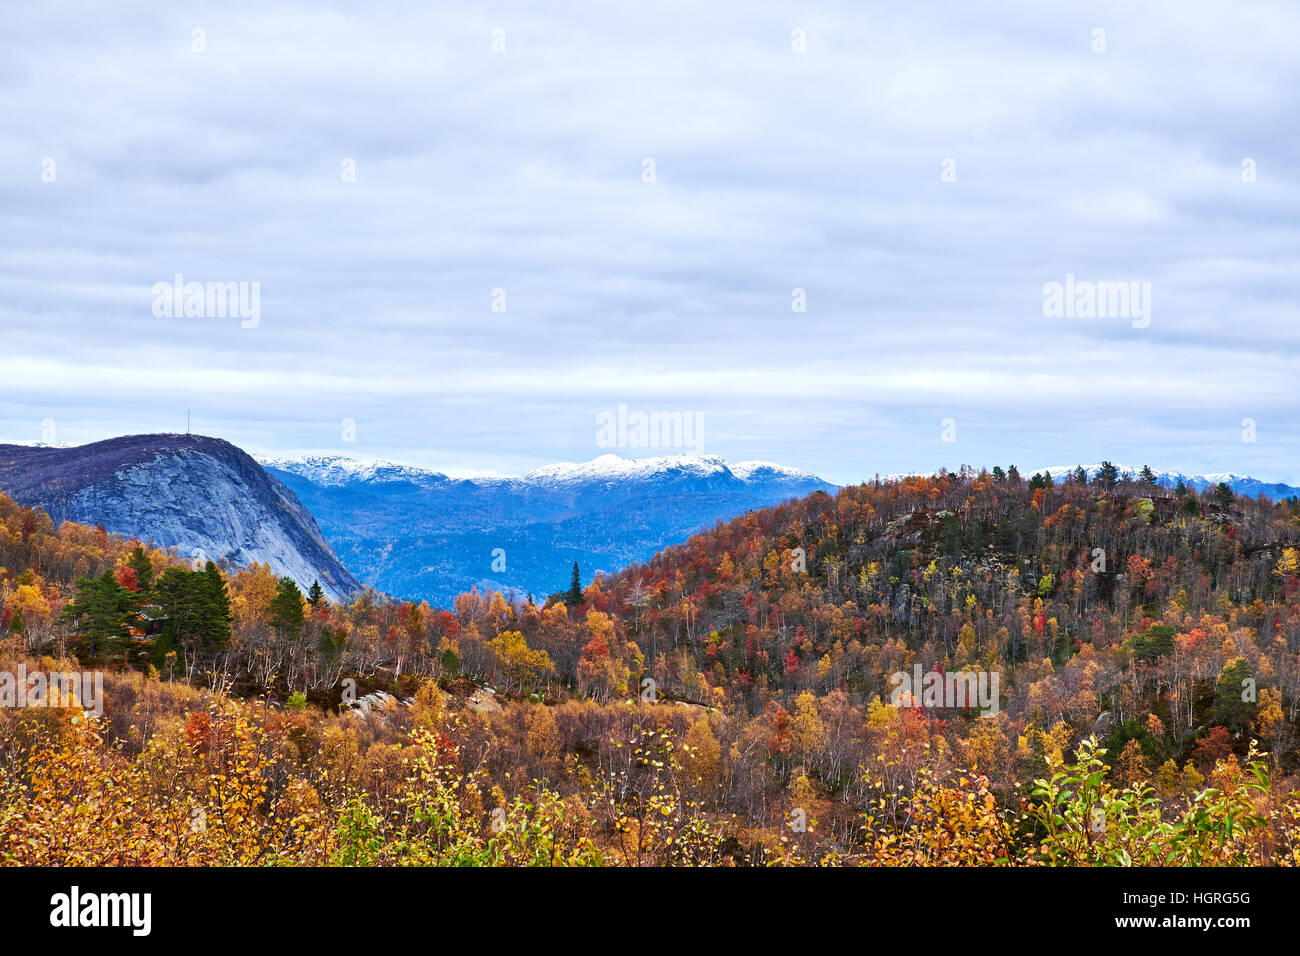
[(522, 170)]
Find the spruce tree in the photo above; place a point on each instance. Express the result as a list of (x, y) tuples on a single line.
[(139, 563), (215, 606), (573, 597), (328, 645), (173, 608), (1006, 536), (286, 609), (315, 594)]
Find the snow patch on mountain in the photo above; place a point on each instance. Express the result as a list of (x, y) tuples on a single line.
[(766, 470)]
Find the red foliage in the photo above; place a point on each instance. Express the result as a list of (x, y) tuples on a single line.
[(126, 577), (596, 649), (447, 621), (198, 730), (1214, 746)]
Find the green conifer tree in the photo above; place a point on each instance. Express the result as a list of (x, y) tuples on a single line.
[(286, 609), (573, 597)]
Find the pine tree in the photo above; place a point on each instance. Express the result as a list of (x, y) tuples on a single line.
[(1108, 476), (951, 535), (1147, 476), (102, 610), (1229, 707), (1006, 536), (195, 606), (315, 594), (1223, 493)]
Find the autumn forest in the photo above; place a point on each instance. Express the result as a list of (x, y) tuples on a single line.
[(734, 701)]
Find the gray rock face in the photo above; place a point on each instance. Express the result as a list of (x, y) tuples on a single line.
[(201, 495)]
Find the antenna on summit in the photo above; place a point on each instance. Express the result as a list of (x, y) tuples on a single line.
[(187, 421)]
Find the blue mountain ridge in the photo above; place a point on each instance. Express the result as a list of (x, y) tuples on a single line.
[(413, 533), (421, 534)]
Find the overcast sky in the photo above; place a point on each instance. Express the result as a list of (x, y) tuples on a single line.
[(223, 155)]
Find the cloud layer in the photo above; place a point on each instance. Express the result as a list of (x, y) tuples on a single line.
[(524, 170)]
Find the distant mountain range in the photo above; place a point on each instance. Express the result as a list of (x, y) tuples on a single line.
[(411, 532), (1241, 484), (202, 496), (415, 533)]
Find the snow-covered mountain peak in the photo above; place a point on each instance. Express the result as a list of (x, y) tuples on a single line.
[(617, 468), (333, 470), (338, 470)]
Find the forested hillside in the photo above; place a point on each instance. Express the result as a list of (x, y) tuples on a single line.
[(732, 701)]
